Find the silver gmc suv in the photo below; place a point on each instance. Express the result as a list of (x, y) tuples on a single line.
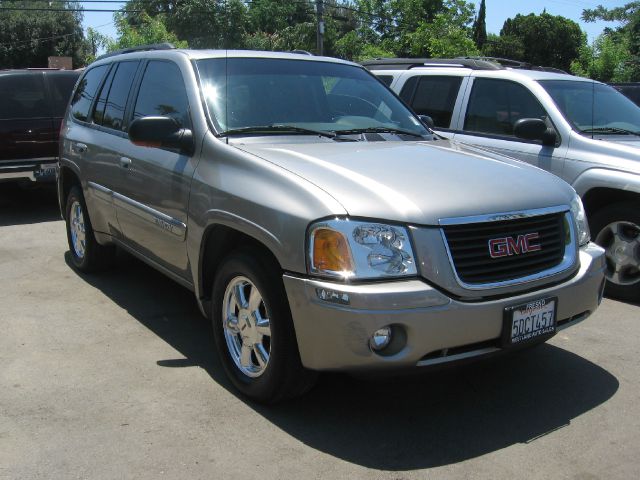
[(319, 223), (585, 132)]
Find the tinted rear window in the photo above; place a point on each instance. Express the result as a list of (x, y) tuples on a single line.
[(86, 92), (61, 87), (22, 96), (436, 97)]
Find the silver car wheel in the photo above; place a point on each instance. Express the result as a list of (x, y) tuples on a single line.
[(621, 241), (77, 229), (246, 327)]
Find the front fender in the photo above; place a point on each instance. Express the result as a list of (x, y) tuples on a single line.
[(605, 178)]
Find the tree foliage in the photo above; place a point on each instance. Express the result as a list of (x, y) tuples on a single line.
[(606, 60), (480, 27), (626, 37), (28, 38), (549, 40), (148, 30)]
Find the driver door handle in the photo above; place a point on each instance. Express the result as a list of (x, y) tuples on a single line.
[(125, 162)]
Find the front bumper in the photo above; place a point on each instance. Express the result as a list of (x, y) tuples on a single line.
[(334, 333)]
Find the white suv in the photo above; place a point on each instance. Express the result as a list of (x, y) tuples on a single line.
[(585, 132)]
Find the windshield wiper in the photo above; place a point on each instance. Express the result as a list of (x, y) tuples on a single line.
[(610, 130), (399, 131), (277, 129)]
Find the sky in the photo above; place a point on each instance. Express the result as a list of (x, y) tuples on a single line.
[(497, 12)]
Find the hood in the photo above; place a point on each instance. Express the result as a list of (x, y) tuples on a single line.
[(416, 182)]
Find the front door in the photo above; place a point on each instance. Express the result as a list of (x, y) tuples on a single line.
[(493, 107), (152, 194)]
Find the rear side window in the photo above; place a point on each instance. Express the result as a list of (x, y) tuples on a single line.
[(495, 105), (23, 96), (162, 93), (61, 87), (113, 98), (86, 92), (436, 97)]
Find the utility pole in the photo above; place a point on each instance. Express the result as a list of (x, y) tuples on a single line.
[(320, 31)]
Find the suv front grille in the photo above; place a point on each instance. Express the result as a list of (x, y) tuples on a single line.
[(470, 248)]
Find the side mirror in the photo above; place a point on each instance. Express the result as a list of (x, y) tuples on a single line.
[(161, 132), (535, 129), (427, 120)]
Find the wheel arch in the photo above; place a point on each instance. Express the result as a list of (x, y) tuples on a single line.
[(67, 178), (601, 187), (218, 240)]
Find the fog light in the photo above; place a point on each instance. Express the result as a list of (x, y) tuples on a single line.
[(380, 339)]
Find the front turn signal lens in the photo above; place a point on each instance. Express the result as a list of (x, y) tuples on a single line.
[(331, 252)]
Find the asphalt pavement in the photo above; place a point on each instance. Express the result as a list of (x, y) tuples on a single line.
[(115, 375)]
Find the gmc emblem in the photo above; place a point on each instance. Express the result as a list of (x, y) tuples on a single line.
[(507, 246)]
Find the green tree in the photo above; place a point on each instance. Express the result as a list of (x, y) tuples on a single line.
[(503, 46), (549, 40), (28, 38), (480, 27), (626, 36), (606, 60), (149, 30)]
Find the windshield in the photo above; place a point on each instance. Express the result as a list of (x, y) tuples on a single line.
[(310, 95), (594, 108)]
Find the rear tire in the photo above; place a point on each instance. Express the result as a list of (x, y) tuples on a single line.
[(616, 228), (253, 330), (87, 255)]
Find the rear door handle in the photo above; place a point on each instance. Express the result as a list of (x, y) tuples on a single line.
[(79, 147), (125, 162)]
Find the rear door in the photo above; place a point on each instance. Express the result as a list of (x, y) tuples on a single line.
[(438, 96), (26, 127), (152, 192)]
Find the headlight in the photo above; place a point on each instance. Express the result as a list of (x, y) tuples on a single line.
[(580, 219), (352, 249)]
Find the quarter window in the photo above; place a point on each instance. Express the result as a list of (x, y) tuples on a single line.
[(495, 105), (162, 93), (86, 92)]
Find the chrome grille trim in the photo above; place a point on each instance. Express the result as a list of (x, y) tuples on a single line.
[(568, 260)]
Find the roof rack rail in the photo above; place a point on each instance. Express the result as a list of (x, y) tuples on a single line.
[(139, 48), (508, 63), (409, 63), (301, 52)]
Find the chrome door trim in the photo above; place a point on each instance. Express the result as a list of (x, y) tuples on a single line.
[(161, 220)]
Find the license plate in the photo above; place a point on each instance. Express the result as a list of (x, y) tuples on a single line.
[(529, 321), (45, 172)]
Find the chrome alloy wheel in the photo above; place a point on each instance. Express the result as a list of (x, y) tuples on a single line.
[(621, 241), (77, 229), (246, 327)]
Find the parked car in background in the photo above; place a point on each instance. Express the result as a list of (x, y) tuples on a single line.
[(32, 104), (319, 223), (585, 132), (631, 90)]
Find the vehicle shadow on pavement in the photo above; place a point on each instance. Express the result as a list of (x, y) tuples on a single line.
[(24, 205), (398, 424)]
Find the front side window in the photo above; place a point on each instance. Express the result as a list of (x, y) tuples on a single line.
[(243, 93), (496, 105), (23, 96), (86, 92), (594, 108), (162, 93)]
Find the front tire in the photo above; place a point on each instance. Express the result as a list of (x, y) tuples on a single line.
[(616, 228), (254, 332), (87, 255)]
